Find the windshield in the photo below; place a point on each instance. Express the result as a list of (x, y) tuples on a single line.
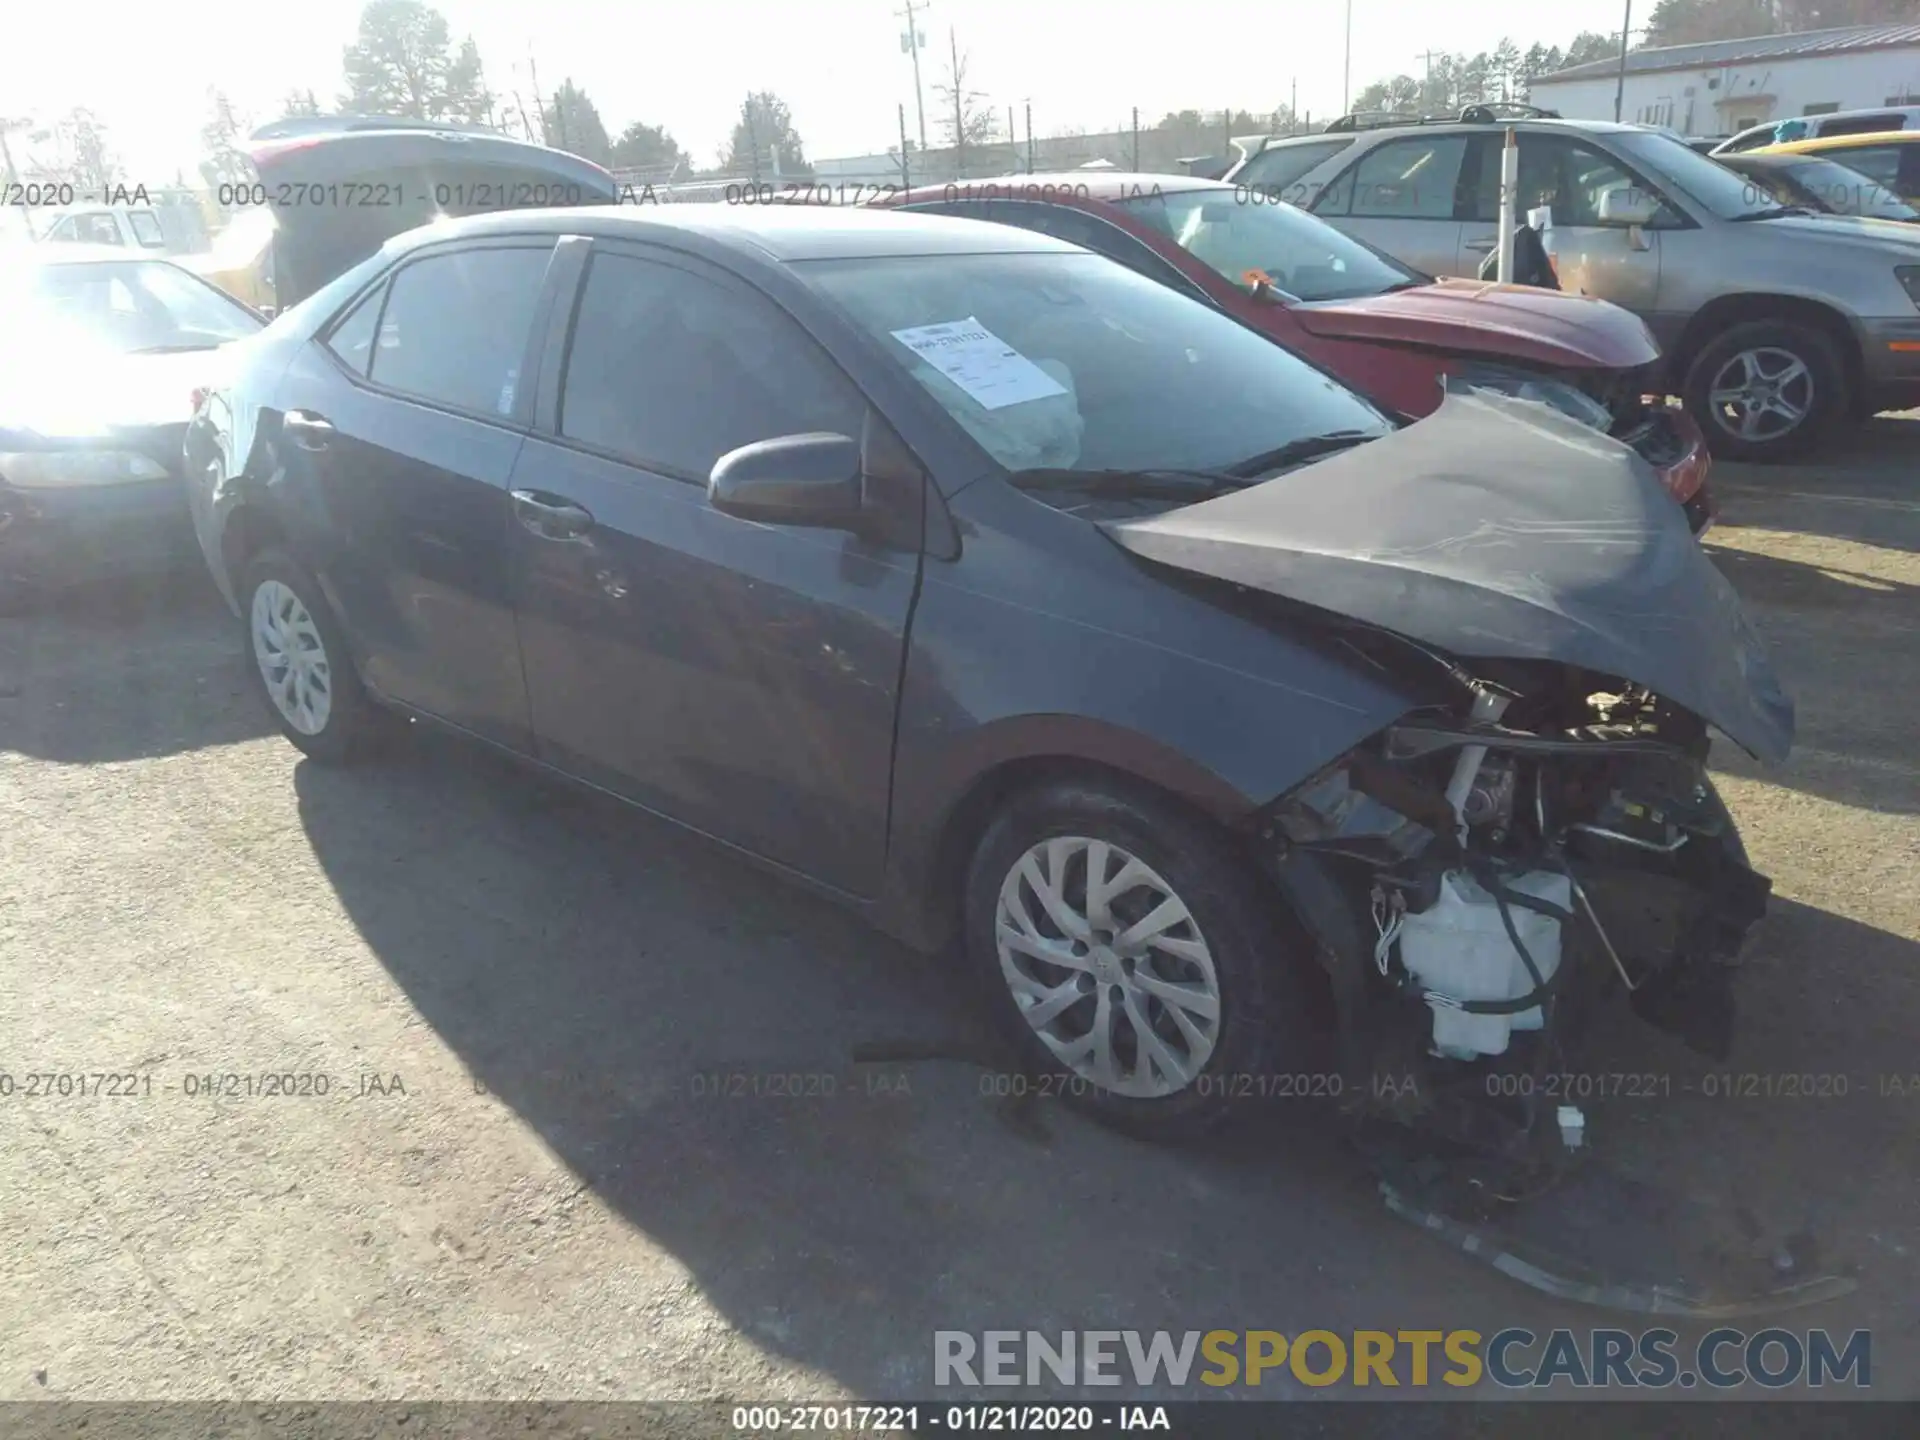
[(1712, 185), (126, 307), (1247, 237), (1074, 362), (1804, 180)]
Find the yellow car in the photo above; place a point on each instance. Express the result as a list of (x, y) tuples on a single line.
[(240, 261), (1890, 159)]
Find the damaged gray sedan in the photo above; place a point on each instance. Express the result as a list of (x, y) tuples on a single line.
[(1022, 603)]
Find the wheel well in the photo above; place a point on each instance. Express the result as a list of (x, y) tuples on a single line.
[(968, 821), (250, 529), (1730, 310)]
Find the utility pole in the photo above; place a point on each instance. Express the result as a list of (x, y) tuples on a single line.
[(1426, 90), (1029, 108), (753, 140), (1620, 84), (1346, 75), (1293, 107), (959, 116), (533, 74), (913, 42)]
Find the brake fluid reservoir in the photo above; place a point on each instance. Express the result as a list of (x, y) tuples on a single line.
[(1459, 948)]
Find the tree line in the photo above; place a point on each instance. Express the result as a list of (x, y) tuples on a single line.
[(404, 61)]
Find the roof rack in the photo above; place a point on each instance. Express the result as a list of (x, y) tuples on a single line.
[(1489, 114)]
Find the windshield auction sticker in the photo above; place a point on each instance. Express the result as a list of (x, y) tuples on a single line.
[(980, 363)]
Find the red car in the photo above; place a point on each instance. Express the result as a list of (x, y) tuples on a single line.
[(1396, 335)]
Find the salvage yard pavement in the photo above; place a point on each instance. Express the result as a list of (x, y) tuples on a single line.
[(431, 1080)]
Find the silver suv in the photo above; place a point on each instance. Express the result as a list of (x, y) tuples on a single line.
[(1775, 323)]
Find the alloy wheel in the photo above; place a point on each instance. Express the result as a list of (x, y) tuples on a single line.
[(1762, 394), (1108, 966), (292, 657)]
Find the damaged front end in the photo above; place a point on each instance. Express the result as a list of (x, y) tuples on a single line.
[(1535, 835), (1476, 882)]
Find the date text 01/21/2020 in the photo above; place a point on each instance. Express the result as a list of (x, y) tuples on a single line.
[(207, 1084), (963, 1419)]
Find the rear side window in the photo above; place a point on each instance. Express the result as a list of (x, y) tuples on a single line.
[(455, 328), (1412, 179), (1271, 169), (146, 229), (1862, 124), (670, 370)]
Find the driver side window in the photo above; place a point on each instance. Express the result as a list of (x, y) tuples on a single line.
[(1572, 177)]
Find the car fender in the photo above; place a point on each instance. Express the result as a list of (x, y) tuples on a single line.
[(1045, 645)]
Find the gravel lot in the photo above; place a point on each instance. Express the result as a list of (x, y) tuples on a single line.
[(513, 1188)]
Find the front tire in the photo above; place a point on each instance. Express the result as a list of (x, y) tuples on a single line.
[(300, 659), (1766, 390), (1133, 956)]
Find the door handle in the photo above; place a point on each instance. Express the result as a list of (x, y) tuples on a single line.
[(551, 517), (1482, 245), (307, 430)]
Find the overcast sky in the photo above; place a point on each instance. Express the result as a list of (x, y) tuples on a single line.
[(145, 69)]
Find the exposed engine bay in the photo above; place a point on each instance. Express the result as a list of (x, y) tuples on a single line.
[(1475, 883)]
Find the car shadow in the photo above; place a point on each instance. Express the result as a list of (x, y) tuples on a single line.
[(1859, 488), (131, 670), (687, 1035), (1825, 628)]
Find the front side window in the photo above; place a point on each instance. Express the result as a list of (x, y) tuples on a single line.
[(671, 370), (1413, 179), (1067, 361), (1247, 239), (455, 329), (1572, 178), (146, 229)]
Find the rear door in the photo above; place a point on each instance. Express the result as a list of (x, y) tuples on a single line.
[(1891, 167), (1406, 197), (401, 427), (741, 678)]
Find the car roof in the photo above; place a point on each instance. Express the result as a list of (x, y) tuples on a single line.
[(1066, 185), (1838, 142), (65, 253), (780, 233), (1449, 126)]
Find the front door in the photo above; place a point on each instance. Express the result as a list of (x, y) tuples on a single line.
[(1570, 176), (739, 677), (401, 428)]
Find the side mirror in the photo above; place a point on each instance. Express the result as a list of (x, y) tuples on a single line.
[(793, 480), (1627, 206)]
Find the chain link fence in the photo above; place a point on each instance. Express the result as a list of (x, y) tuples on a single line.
[(1190, 142)]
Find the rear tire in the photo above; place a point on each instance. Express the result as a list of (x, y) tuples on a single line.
[(1766, 390), (299, 658), (1209, 982)]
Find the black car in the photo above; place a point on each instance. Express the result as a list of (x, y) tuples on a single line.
[(1019, 602), (99, 366)]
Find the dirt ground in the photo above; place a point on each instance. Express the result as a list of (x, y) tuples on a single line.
[(519, 1184)]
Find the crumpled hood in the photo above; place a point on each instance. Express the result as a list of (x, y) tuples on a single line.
[(1474, 317), (1496, 528)]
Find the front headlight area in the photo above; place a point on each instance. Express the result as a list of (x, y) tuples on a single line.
[(72, 469), (1502, 380)]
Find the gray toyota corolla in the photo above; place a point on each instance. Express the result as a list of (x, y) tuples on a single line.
[(1041, 613)]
